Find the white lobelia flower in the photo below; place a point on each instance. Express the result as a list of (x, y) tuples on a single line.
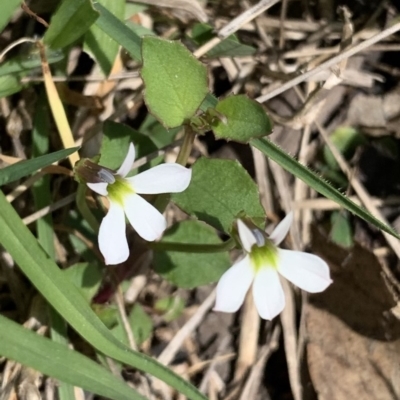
[(262, 264), (123, 195)]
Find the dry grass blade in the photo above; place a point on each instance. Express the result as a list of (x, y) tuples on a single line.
[(351, 51)]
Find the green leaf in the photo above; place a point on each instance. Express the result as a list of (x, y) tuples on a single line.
[(86, 277), (141, 324), (114, 28), (218, 192), (29, 61), (10, 84), (245, 119), (229, 47), (160, 136), (8, 7), (60, 362), (70, 21), (115, 144), (346, 139), (189, 270), (171, 307), (341, 232), (27, 167), (46, 276), (317, 183), (175, 81), (101, 45)]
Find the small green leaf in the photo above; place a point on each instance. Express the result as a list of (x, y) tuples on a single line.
[(245, 119), (29, 61), (218, 192), (86, 277), (101, 45), (175, 82), (117, 30), (317, 183), (229, 47), (189, 270), (27, 167), (346, 139), (141, 323), (8, 7), (60, 362), (70, 21), (10, 84), (341, 232), (171, 307), (115, 144)]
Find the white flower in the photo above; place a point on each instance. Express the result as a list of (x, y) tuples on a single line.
[(123, 195), (262, 263)]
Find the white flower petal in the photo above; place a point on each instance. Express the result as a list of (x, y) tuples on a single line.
[(164, 178), (147, 221), (233, 286), (307, 271), (246, 236), (268, 293), (128, 162), (112, 236), (282, 229), (99, 188)]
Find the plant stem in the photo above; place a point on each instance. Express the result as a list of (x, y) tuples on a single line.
[(84, 209), (193, 248)]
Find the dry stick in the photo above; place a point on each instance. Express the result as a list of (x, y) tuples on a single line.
[(175, 344), (248, 341), (235, 25), (289, 325), (351, 51), (282, 27), (253, 381), (359, 189), (49, 209)]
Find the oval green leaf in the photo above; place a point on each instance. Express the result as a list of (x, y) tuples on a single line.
[(189, 270), (175, 82), (245, 119), (218, 192)]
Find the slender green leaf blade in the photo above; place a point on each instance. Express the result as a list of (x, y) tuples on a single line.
[(45, 275), (118, 31), (219, 191), (70, 21), (58, 361), (175, 81), (101, 45), (28, 61), (7, 10), (10, 84), (27, 167), (317, 183)]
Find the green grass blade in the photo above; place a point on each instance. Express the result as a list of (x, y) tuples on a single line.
[(45, 275), (58, 361), (291, 165), (24, 168), (114, 28)]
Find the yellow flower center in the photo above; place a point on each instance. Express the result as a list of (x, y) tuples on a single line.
[(118, 190), (264, 256)]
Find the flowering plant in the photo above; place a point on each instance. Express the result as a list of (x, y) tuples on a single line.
[(262, 262)]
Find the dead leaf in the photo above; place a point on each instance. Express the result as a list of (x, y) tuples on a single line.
[(353, 347)]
